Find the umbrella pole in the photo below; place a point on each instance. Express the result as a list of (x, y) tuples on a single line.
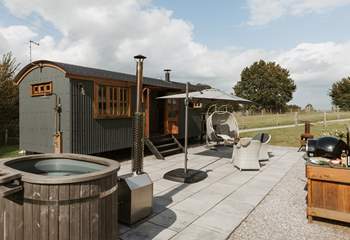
[(186, 175), (186, 128)]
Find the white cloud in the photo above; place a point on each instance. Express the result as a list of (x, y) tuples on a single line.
[(263, 12), (108, 34), (315, 67), (16, 36), (325, 62)]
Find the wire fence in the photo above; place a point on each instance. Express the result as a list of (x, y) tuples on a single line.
[(271, 120)]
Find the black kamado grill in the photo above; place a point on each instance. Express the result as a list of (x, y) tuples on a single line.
[(327, 147)]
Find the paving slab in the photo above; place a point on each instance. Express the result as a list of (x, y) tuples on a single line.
[(174, 219), (195, 205), (195, 232), (213, 208), (123, 228), (220, 221), (148, 231)]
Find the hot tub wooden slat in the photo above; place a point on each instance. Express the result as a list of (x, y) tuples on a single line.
[(63, 227), (28, 211), (85, 212), (53, 213), (2, 207), (7, 219), (103, 188), (36, 212), (10, 219), (44, 212), (19, 218), (109, 212), (74, 212), (114, 204), (94, 211)]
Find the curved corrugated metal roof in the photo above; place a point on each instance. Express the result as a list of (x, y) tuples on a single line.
[(72, 71)]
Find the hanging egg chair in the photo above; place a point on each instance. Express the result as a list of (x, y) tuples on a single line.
[(222, 126)]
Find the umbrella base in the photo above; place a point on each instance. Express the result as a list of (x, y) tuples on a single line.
[(192, 176)]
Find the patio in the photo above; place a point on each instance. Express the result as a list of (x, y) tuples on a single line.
[(213, 208)]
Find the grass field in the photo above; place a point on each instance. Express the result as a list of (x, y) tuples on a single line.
[(8, 151), (282, 137), (267, 120), (291, 136)]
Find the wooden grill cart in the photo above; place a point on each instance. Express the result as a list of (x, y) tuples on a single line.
[(328, 192)]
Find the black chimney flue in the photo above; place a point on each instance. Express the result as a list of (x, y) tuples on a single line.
[(167, 74)]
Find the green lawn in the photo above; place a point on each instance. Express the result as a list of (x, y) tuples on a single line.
[(291, 136), (8, 151), (282, 137), (267, 120)]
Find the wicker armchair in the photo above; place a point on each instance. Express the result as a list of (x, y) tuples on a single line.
[(264, 138), (245, 154)]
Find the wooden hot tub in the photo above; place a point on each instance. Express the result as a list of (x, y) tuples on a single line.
[(58, 196)]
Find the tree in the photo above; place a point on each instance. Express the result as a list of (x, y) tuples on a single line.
[(293, 108), (267, 84), (309, 108), (340, 93), (8, 92)]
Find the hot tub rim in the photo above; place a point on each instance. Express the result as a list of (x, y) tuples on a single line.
[(112, 167)]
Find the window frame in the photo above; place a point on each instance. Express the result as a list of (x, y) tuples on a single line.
[(116, 86), (39, 92)]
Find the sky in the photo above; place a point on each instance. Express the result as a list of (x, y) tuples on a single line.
[(202, 41)]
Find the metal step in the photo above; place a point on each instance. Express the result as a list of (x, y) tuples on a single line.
[(173, 144), (162, 146), (153, 149), (171, 151), (162, 141)]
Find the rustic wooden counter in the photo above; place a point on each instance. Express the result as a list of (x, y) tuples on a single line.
[(328, 192)]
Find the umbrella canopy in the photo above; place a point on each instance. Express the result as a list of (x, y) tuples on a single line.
[(208, 94)]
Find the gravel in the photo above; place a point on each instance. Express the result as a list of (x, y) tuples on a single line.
[(282, 215)]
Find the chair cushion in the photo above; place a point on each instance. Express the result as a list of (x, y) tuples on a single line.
[(233, 134), (245, 141), (223, 129)]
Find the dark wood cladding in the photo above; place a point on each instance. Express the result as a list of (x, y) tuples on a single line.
[(91, 135), (82, 133), (79, 211)]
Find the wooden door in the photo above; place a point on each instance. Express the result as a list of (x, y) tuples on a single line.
[(171, 119)]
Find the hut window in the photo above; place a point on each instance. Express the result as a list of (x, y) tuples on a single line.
[(113, 102), (42, 89), (102, 106)]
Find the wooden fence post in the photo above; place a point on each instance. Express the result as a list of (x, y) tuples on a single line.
[(324, 119), (6, 136), (337, 109)]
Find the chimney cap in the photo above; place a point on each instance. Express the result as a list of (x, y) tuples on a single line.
[(139, 57), (167, 70)]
